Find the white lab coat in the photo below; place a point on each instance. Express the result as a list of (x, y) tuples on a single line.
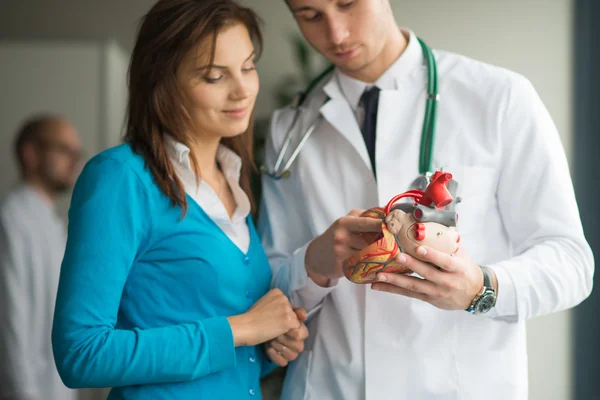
[(518, 216), (32, 244)]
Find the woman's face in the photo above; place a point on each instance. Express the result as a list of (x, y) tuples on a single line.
[(221, 96)]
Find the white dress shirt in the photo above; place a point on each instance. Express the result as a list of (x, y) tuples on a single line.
[(353, 89), (236, 227), (518, 216)]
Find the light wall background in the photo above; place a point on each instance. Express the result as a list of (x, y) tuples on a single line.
[(533, 37)]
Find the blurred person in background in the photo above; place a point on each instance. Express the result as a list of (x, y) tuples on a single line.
[(164, 291), (32, 244)]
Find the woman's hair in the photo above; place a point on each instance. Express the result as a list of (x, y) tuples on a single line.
[(166, 35)]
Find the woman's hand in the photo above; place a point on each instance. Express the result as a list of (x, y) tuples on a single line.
[(269, 317), (287, 347)]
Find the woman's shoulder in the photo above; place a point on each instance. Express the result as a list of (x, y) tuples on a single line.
[(118, 160), (121, 154), (116, 170)]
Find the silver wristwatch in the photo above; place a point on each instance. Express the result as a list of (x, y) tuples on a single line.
[(485, 300)]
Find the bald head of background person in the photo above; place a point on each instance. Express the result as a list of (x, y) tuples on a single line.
[(48, 151)]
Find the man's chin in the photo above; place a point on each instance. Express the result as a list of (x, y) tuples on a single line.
[(61, 187), (353, 66)]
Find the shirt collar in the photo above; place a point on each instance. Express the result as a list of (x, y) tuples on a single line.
[(178, 152), (410, 58), (229, 161)]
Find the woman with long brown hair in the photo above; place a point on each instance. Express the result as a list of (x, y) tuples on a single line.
[(164, 288)]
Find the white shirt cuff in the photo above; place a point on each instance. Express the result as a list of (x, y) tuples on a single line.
[(506, 302), (305, 292)]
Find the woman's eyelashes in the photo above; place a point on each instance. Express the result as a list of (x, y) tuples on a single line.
[(249, 67), (214, 77), (346, 5)]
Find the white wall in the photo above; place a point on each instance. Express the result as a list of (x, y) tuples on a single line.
[(82, 80), (115, 78), (36, 77), (532, 37)]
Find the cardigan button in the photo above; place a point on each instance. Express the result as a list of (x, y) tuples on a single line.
[(251, 391), (246, 260)]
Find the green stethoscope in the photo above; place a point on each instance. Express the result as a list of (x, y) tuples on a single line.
[(281, 169)]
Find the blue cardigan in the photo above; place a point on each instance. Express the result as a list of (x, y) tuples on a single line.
[(144, 295)]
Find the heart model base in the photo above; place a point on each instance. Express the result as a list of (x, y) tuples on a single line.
[(430, 220)]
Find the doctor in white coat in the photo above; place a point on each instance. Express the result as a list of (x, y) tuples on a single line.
[(32, 245), (524, 248)]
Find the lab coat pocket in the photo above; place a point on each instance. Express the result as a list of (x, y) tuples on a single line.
[(477, 190)]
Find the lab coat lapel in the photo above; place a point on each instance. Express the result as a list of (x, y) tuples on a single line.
[(400, 121), (340, 115)]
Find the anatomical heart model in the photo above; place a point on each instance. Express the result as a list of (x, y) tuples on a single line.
[(429, 220)]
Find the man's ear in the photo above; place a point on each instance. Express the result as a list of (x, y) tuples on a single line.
[(31, 156)]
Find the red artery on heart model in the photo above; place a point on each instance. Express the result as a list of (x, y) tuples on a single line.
[(430, 220)]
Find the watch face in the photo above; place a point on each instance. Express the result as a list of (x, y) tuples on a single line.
[(485, 303)]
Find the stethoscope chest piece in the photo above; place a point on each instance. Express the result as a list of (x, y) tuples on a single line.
[(276, 176)]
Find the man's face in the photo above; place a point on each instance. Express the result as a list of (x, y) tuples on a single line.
[(349, 33), (58, 156)]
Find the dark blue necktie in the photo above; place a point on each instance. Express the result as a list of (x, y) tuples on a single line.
[(370, 101)]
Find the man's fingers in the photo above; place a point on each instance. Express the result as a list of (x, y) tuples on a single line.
[(441, 259), (356, 212), (423, 269), (412, 284), (346, 238), (361, 224), (357, 242)]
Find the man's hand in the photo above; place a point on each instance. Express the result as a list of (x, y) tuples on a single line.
[(326, 253), (451, 287), (288, 346)]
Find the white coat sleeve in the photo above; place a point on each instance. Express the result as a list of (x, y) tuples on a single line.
[(17, 376), (552, 267), (285, 235)]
